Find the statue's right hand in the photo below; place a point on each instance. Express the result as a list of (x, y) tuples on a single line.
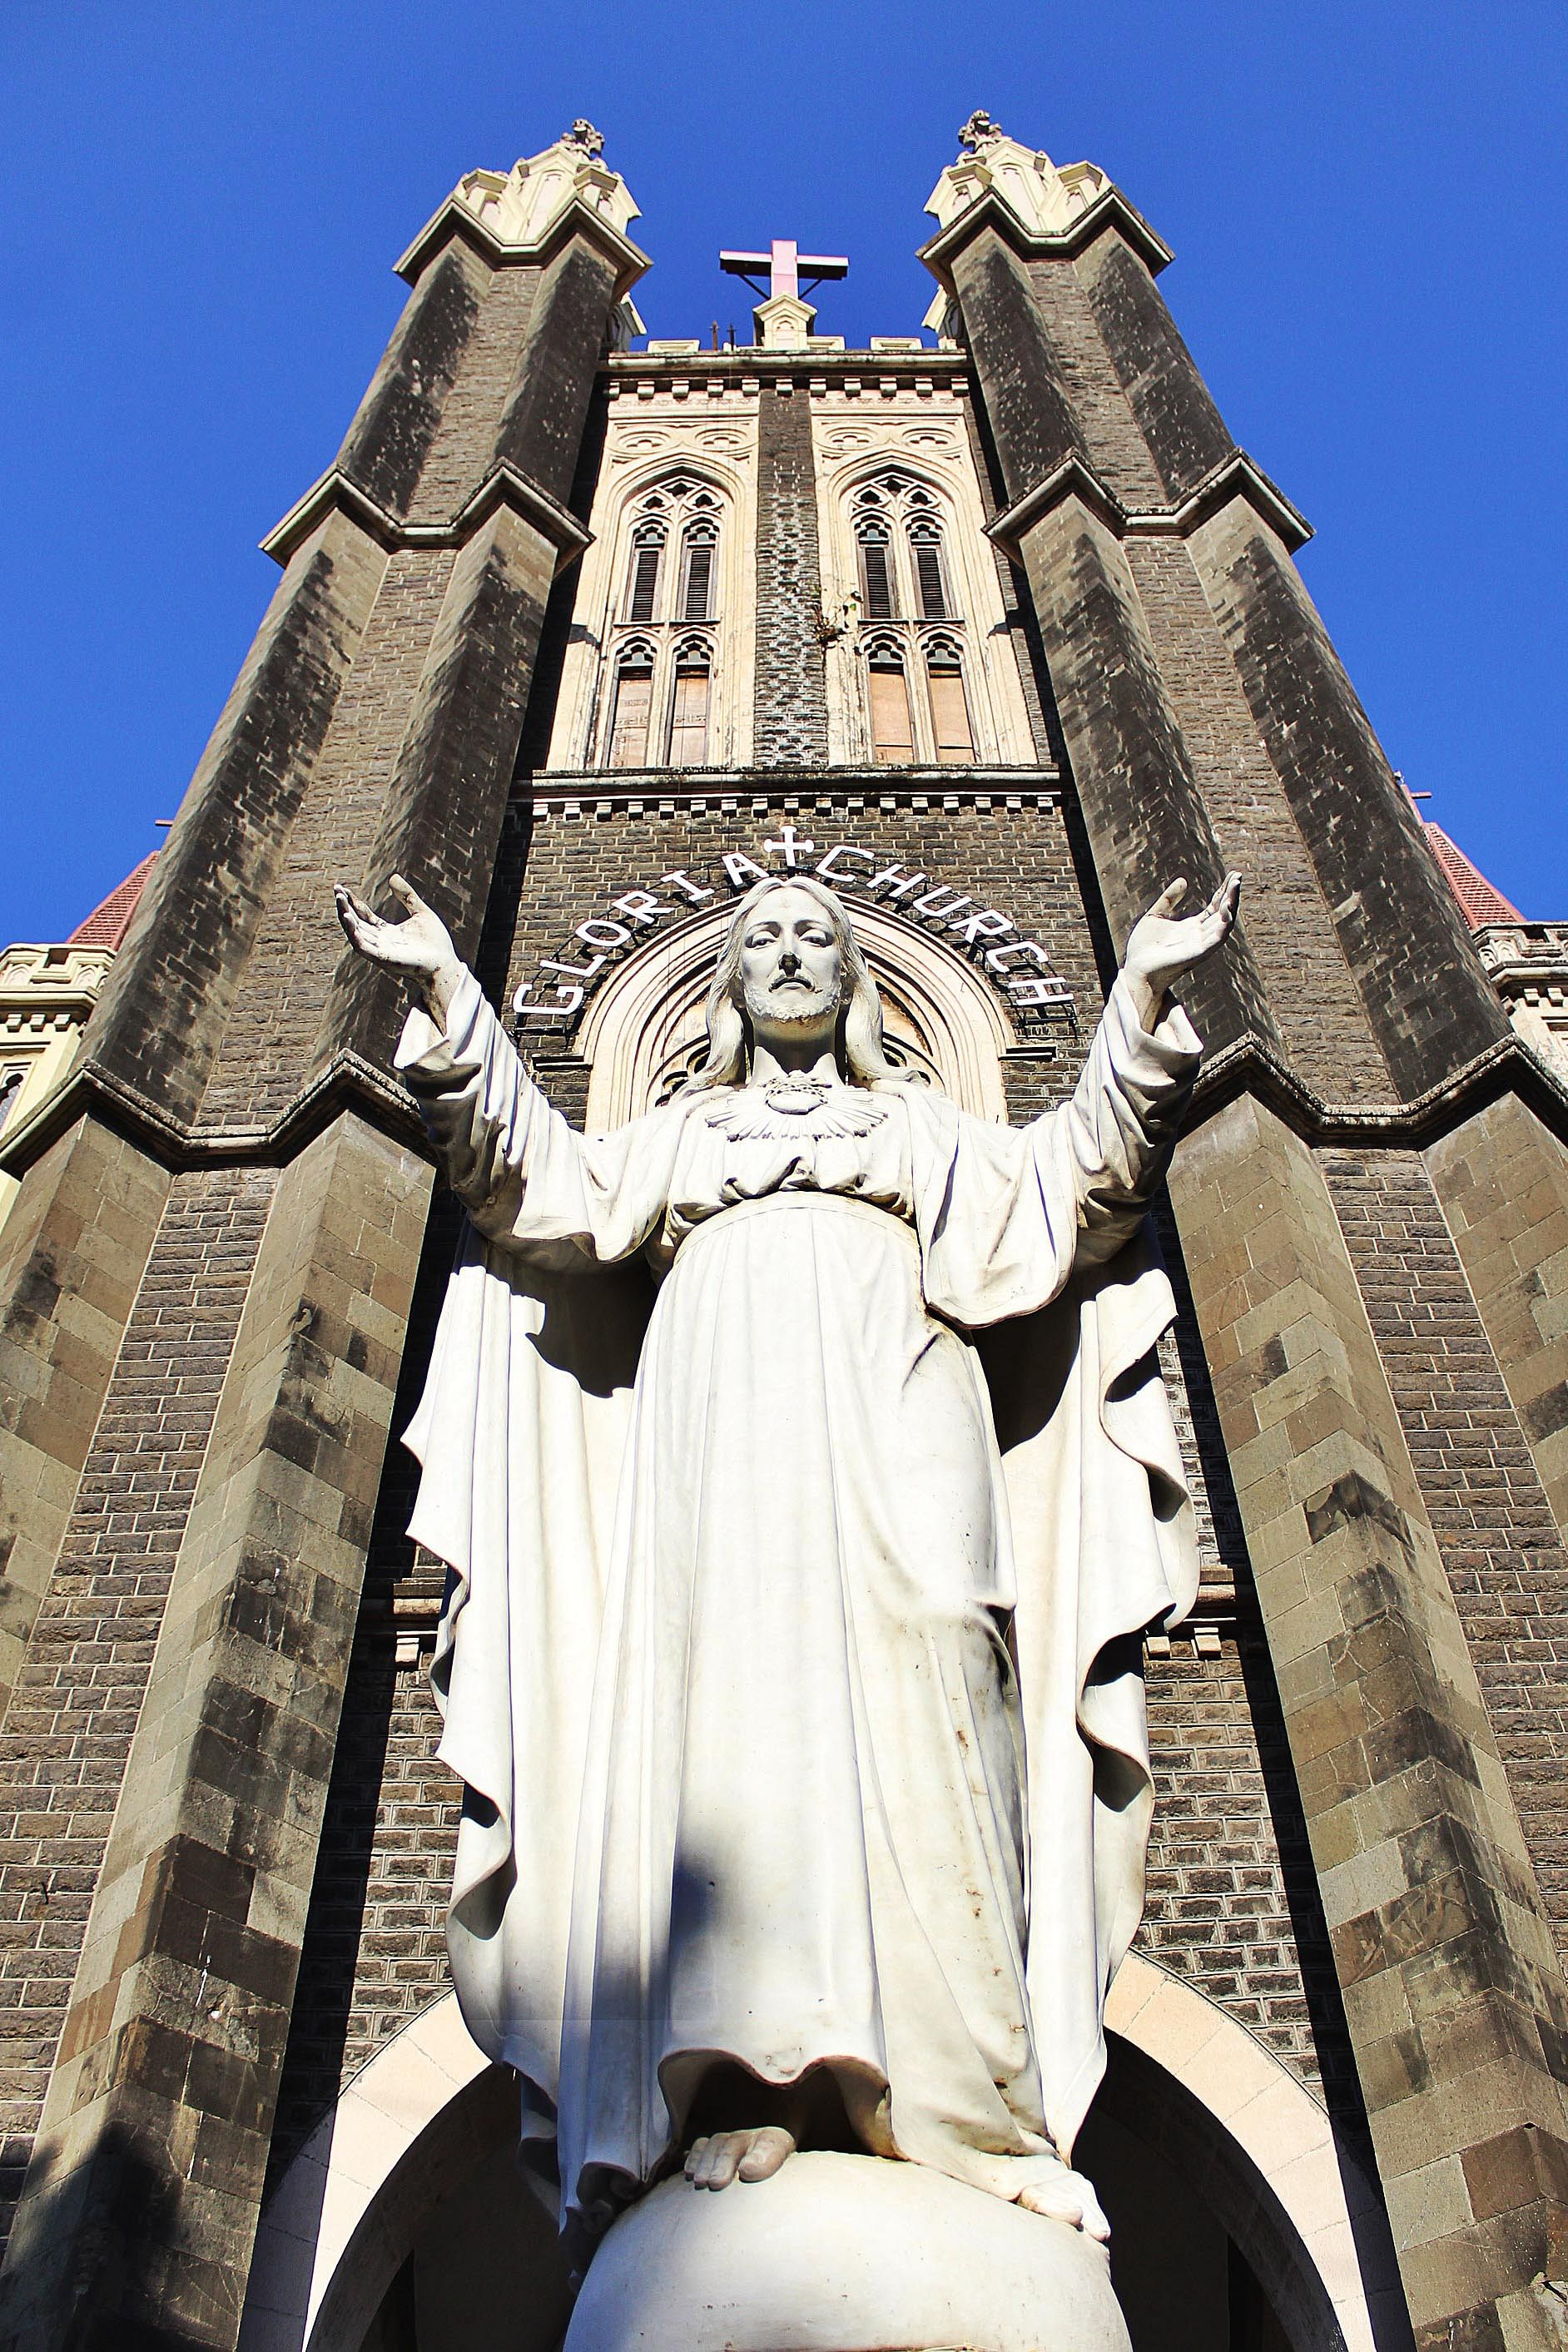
[(420, 947)]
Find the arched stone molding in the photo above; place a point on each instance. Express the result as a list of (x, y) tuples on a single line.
[(428, 2109), (645, 1027), (1297, 2203), (412, 2124), (849, 455), (647, 443)]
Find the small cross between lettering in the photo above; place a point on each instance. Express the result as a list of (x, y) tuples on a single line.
[(790, 847)]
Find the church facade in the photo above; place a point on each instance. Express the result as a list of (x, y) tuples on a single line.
[(996, 630)]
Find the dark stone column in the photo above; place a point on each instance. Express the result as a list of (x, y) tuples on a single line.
[(1429, 1001), (790, 701)]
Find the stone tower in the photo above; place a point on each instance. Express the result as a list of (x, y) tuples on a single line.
[(997, 635)]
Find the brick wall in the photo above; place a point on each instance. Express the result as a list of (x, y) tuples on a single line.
[(69, 1728)]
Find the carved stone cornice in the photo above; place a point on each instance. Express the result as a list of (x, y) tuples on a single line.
[(1511, 1067), (1108, 211), (574, 219), (1236, 477), (338, 492), (349, 1083)]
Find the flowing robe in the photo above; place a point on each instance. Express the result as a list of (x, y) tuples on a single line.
[(789, 1658)]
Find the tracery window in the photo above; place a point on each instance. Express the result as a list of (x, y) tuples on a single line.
[(689, 706), (918, 703), (953, 731), (633, 706), (656, 701), (892, 735)]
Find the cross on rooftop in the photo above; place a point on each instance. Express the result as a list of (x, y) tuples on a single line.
[(783, 262)]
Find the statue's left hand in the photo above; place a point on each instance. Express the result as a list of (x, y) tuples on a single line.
[(1163, 946)]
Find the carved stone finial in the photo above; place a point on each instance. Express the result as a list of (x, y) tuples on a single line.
[(979, 132), (584, 135)]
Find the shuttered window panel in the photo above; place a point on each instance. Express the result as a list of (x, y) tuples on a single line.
[(928, 572), (688, 719), (892, 740), (645, 583), (633, 702), (949, 717), (699, 583), (879, 581)]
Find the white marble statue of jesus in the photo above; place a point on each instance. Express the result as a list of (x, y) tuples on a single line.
[(790, 1659)]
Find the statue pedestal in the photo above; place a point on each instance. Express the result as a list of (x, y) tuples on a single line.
[(844, 2254)]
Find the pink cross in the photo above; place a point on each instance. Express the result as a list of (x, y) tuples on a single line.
[(783, 262)]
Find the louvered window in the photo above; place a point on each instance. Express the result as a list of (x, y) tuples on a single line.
[(10, 1087), (927, 552), (645, 581), (876, 579), (698, 589)]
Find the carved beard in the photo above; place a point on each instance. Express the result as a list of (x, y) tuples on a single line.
[(781, 1008)]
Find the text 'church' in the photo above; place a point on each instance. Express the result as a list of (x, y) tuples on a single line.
[(995, 630)]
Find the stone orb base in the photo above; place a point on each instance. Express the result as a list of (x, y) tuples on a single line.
[(844, 2254)]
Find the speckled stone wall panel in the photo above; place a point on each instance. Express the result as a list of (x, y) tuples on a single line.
[(1503, 1181), (161, 1015), (1431, 1004), (1499, 1540), (72, 1250), (1182, 429), (1312, 991), (388, 446), (1452, 1986), (790, 723), (141, 2203), (68, 1731)]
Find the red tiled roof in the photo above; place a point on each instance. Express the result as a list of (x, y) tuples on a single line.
[(1479, 902), (107, 925)]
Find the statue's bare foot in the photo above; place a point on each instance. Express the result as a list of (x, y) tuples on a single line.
[(1065, 2196), (753, 2155)]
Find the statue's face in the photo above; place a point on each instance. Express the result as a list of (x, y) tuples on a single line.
[(792, 971)]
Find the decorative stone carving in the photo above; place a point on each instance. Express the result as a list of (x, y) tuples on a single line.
[(518, 206), (1046, 198)]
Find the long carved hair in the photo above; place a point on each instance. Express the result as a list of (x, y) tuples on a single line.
[(858, 1042)]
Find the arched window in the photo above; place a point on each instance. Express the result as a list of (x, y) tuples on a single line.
[(648, 550), (632, 709), (930, 576), (892, 733), (952, 730), (876, 568), (689, 705), (700, 545)]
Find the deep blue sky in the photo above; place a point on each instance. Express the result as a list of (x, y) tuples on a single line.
[(201, 204)]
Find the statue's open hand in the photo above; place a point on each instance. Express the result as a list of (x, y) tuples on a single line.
[(420, 947), (1163, 945)]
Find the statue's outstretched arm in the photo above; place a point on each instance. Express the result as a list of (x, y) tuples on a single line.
[(1161, 946)]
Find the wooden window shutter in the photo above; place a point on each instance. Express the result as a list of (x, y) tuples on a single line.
[(950, 715), (892, 739), (634, 703), (688, 719)]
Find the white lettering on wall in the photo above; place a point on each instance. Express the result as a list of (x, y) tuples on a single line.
[(938, 908)]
